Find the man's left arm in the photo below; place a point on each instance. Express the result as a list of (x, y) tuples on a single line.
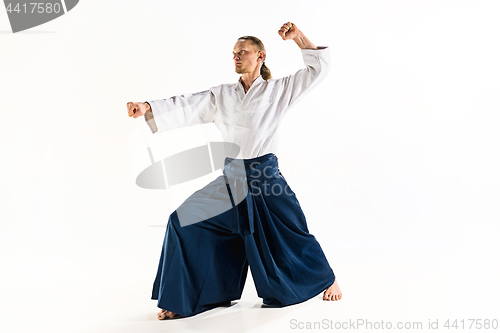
[(290, 31), (316, 60)]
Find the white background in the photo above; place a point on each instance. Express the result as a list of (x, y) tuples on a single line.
[(394, 158)]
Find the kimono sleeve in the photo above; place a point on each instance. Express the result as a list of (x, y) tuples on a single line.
[(317, 64), (181, 111)]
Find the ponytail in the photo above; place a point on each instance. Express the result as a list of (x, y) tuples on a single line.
[(265, 72)]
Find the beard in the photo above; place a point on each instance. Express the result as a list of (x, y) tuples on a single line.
[(240, 70)]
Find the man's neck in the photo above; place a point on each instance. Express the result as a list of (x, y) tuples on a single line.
[(247, 79)]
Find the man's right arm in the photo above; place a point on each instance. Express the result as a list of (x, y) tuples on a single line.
[(150, 118), (179, 111)]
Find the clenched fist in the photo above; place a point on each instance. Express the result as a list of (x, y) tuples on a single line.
[(137, 109), (288, 31)]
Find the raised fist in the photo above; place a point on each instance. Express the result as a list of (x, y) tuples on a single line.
[(288, 31)]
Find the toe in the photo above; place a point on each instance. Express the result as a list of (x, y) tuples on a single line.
[(163, 314), (170, 314)]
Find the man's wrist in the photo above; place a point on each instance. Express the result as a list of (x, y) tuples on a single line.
[(303, 42), (296, 39)]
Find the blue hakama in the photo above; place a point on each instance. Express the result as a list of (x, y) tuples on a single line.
[(258, 223)]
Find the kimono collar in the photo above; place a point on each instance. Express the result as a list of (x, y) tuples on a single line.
[(257, 81)]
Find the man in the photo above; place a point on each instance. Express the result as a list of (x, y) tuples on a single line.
[(205, 255)]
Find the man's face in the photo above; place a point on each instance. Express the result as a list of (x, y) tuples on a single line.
[(245, 57)]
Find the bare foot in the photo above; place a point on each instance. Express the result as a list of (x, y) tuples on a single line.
[(333, 292), (164, 314)]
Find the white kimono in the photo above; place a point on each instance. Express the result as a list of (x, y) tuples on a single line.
[(249, 120)]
